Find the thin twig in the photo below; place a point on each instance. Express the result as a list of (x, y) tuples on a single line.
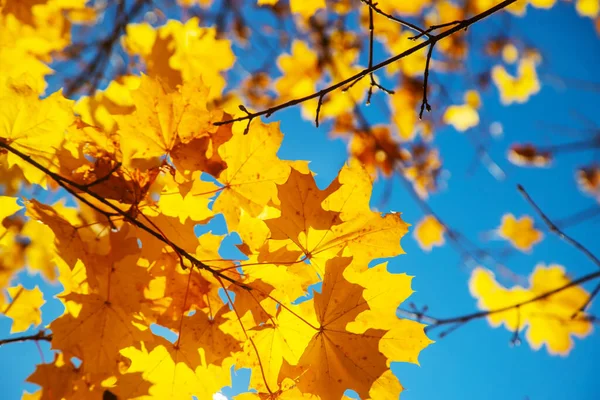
[(431, 40), (432, 28), (481, 314), (587, 302), (105, 177), (94, 70), (41, 335), (371, 45), (556, 230), (69, 186), (373, 7), (424, 103)]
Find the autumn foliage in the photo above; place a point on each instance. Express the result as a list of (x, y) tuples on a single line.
[(108, 185)]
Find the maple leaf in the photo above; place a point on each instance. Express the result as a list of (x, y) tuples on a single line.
[(176, 52), (383, 292), (35, 127), (100, 108), (517, 89), (10, 254), (300, 71), (282, 338), (163, 118), (301, 207), (107, 312), (10, 177), (252, 173), (465, 116), (550, 321), (24, 308), (429, 233), (403, 103), (175, 291), (61, 379), (364, 234), (202, 154), (520, 232), (202, 341), (107, 321), (187, 199), (173, 379), (337, 359), (74, 242)]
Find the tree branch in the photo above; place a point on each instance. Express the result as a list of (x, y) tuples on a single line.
[(69, 186), (430, 41), (41, 335), (554, 229)]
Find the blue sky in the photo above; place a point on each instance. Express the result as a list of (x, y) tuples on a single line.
[(476, 361)]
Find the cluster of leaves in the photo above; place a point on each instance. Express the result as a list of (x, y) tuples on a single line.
[(164, 147), (129, 258)]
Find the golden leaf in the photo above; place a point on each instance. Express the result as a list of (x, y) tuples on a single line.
[(549, 321), (24, 308), (520, 232)]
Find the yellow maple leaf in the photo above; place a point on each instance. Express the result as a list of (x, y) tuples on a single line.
[(187, 199), (300, 71), (319, 235), (34, 127), (252, 173), (517, 89), (336, 357), (100, 108), (177, 52), (464, 116), (172, 378), (63, 380), (24, 308), (383, 292), (429, 233), (163, 118), (280, 339), (520, 232), (549, 321)]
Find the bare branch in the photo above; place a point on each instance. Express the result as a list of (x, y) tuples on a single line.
[(430, 41), (554, 229), (481, 314), (41, 335), (373, 7), (425, 104), (69, 186)]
